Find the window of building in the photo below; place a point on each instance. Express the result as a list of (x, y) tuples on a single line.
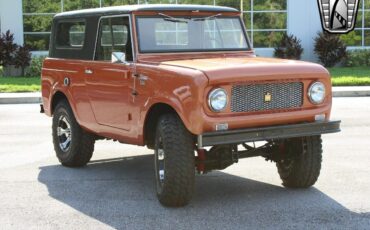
[(37, 18), (360, 36), (266, 20)]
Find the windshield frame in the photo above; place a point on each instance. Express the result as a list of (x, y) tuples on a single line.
[(244, 30)]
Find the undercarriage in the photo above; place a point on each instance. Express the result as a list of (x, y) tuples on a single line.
[(222, 156)]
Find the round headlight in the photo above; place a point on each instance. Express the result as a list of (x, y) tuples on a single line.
[(217, 99), (316, 92)]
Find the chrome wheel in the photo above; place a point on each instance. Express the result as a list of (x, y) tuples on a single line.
[(64, 133), (160, 162), (73, 145)]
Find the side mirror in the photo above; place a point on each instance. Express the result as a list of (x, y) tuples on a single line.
[(118, 57)]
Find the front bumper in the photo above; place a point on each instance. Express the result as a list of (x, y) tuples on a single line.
[(267, 133)]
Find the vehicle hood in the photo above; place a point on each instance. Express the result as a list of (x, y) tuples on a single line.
[(229, 69)]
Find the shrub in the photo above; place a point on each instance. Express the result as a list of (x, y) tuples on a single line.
[(13, 57), (22, 58), (35, 67), (7, 49), (289, 47), (357, 58), (1, 52), (330, 49)]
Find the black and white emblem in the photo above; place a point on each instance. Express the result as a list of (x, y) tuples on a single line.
[(338, 16)]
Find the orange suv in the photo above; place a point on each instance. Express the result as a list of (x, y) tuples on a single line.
[(182, 80)]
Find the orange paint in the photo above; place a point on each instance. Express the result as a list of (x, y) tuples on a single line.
[(111, 101)]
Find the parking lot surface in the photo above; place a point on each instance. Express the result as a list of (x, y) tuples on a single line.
[(116, 190)]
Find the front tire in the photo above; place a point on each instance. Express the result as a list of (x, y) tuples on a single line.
[(301, 168), (73, 146), (174, 162)]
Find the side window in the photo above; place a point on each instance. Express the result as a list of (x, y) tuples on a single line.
[(114, 36), (70, 34)]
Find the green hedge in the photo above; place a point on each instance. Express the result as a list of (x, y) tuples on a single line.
[(358, 58)]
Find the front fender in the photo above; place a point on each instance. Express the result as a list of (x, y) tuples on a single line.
[(181, 89), (188, 116)]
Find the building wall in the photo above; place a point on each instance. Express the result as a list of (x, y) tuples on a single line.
[(11, 18), (303, 22)]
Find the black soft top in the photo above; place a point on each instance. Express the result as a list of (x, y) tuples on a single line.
[(150, 7)]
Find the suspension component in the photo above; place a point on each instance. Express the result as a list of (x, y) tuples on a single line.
[(222, 156), (200, 160)]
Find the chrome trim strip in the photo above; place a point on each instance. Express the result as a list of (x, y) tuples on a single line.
[(60, 70)]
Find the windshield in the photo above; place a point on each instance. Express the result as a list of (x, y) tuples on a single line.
[(180, 34)]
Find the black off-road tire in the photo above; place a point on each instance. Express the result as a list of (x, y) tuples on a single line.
[(81, 146), (302, 167), (177, 187)]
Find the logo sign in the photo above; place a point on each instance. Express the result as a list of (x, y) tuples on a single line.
[(338, 16), (268, 97)]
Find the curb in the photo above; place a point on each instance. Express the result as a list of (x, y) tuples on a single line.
[(358, 91), (35, 98), (20, 98)]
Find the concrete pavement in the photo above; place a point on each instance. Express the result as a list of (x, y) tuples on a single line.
[(22, 98), (116, 190)]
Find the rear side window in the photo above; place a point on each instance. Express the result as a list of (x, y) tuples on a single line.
[(71, 34)]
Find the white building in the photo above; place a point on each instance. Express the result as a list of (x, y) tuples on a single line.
[(298, 17), (11, 18)]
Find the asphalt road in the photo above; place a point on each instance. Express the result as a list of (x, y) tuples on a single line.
[(117, 189)]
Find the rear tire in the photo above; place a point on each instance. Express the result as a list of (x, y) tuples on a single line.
[(301, 168), (174, 162), (73, 146)]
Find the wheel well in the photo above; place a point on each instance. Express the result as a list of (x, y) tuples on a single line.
[(151, 121), (58, 96)]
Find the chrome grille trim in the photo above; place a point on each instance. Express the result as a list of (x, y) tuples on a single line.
[(251, 98)]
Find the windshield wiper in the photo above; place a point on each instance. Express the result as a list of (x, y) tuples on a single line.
[(207, 18), (172, 19)]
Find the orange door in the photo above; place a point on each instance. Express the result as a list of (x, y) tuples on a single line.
[(108, 84), (108, 89)]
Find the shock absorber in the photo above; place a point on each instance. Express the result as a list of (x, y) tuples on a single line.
[(200, 160)]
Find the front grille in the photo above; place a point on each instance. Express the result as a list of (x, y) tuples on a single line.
[(264, 97)]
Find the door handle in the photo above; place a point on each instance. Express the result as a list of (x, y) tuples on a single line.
[(143, 78), (88, 71)]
